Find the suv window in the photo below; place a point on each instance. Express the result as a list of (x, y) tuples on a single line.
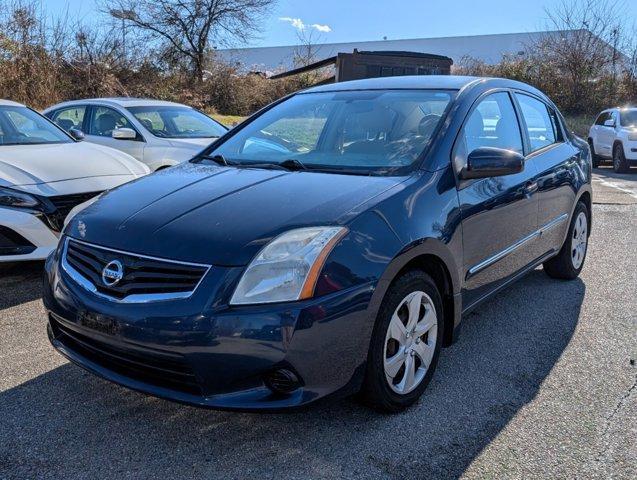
[(104, 120), (602, 118), (492, 123), (69, 118), (540, 126)]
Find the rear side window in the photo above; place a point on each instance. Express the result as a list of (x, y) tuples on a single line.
[(492, 123), (541, 124), (69, 118)]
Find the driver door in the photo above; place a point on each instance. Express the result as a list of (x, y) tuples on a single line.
[(103, 121), (499, 214)]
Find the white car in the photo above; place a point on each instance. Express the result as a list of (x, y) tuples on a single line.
[(613, 136), (159, 134), (44, 174)]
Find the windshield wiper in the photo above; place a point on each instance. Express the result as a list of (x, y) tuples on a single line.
[(218, 159), (293, 164)]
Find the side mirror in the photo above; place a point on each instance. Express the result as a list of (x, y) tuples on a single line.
[(77, 134), (124, 134), (487, 162), (609, 123)]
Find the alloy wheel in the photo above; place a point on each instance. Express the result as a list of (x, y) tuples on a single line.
[(410, 342), (579, 240)]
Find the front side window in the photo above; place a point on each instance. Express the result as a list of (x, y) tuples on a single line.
[(540, 126), (602, 118), (69, 118), (22, 126), (492, 123), (104, 120), (177, 122), (628, 117), (355, 131)]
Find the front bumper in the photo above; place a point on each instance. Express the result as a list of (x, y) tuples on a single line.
[(202, 352), (31, 228)]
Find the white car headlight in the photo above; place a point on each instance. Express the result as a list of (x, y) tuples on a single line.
[(632, 136), (287, 268)]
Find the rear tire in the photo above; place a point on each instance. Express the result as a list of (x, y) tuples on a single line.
[(620, 164), (595, 159), (405, 343), (568, 263)]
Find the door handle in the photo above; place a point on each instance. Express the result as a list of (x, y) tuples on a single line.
[(530, 188)]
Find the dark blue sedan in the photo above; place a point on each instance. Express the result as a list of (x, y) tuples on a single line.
[(330, 244)]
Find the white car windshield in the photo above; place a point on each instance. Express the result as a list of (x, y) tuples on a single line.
[(628, 118), (22, 126), (177, 122), (373, 131)]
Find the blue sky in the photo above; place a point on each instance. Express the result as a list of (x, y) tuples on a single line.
[(356, 20)]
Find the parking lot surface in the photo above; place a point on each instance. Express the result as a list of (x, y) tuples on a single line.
[(542, 383)]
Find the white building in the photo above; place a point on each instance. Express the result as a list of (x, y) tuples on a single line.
[(487, 48)]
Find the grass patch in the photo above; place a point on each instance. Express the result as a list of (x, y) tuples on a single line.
[(228, 120)]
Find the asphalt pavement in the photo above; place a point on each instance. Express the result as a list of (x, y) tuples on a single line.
[(541, 384)]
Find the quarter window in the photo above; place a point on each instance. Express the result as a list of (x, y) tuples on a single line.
[(539, 124), (492, 123), (69, 118), (104, 120)]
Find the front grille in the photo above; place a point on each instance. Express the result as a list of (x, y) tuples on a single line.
[(141, 276), (63, 204), (12, 243), (162, 369)]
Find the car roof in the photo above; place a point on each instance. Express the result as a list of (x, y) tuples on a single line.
[(421, 82), (119, 102), (10, 103)]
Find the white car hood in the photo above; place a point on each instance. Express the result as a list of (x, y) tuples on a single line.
[(24, 165)]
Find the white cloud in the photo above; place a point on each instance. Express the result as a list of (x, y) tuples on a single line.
[(322, 28), (300, 25), (295, 22)]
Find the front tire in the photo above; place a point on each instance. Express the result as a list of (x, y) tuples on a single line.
[(568, 263), (620, 164), (405, 344)]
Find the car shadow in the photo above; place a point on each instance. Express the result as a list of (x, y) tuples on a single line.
[(20, 283), (69, 423)]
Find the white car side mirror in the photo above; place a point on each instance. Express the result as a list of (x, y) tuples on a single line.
[(609, 123), (124, 134)]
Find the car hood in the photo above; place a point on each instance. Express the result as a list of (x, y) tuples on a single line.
[(220, 215), (22, 165)]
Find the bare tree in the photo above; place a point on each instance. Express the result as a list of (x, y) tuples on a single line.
[(188, 28)]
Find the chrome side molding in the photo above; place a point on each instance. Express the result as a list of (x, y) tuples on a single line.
[(512, 248)]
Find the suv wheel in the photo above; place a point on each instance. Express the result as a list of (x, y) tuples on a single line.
[(405, 344), (620, 165), (568, 264), (594, 157)]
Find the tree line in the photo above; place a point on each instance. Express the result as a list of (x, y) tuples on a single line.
[(165, 49)]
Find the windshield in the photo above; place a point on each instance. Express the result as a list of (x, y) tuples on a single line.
[(375, 131), (628, 118), (177, 122), (22, 126)]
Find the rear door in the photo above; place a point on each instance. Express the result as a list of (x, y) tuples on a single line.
[(499, 214), (103, 121), (606, 135), (556, 162)]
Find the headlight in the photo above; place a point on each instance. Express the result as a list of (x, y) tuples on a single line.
[(632, 136), (288, 267), (14, 198)]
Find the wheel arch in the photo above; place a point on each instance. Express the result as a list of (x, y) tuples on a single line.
[(436, 260)]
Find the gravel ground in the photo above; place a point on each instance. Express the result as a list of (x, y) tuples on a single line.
[(542, 383)]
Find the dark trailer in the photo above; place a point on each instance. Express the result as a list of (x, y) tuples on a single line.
[(360, 65)]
